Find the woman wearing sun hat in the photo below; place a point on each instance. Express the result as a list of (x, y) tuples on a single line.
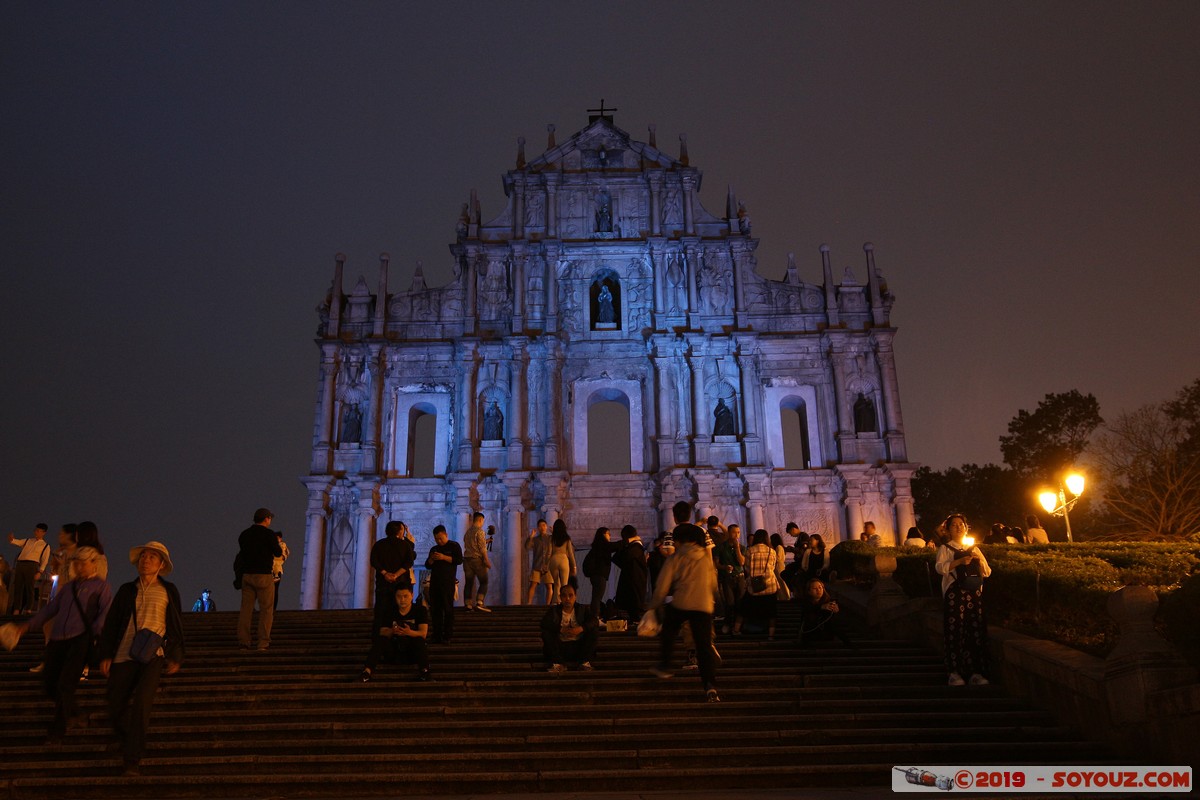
[(142, 639)]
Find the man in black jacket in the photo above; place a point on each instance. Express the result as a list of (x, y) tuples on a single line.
[(443, 561), (143, 609), (568, 633), (259, 547), (392, 559)]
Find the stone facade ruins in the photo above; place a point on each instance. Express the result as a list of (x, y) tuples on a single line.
[(603, 282)]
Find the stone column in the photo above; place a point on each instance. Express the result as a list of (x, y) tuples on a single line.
[(365, 540), (381, 297), (313, 568), (756, 516), (699, 425), (375, 368), (466, 406), (655, 180), (665, 435), (894, 420), (658, 271), (692, 276), (323, 452), (518, 288), (554, 423), (552, 290), (854, 515), (689, 214), (552, 206), (513, 553), (470, 312), (518, 200), (517, 431)]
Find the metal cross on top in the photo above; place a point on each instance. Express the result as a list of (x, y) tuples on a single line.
[(598, 113)]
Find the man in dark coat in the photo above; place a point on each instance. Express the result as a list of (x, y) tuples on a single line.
[(259, 547), (392, 558), (443, 561), (569, 633), (148, 604)]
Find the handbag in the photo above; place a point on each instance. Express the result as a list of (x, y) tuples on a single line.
[(967, 575), (758, 583), (144, 647)]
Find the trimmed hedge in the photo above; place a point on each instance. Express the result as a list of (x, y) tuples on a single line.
[(1059, 591)]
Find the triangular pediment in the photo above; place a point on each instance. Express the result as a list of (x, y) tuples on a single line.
[(600, 145)]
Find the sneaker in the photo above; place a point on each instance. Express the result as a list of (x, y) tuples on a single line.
[(483, 608), (956, 679), (660, 672), (691, 661), (557, 668), (365, 676), (978, 680), (586, 666), (712, 696), (37, 668)]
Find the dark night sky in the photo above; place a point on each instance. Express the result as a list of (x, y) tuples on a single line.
[(178, 177)]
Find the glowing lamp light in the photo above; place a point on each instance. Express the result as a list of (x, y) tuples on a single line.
[(968, 541), (1049, 501), (1075, 483)]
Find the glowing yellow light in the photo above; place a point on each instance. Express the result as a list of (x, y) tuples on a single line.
[(1049, 501), (968, 541), (1075, 483)]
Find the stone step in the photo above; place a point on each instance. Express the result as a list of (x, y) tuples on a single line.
[(296, 721)]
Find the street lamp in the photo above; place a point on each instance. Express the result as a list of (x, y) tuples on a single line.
[(1057, 503)]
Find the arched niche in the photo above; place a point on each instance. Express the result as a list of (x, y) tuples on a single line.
[(796, 399), (604, 301), (422, 440), (410, 408), (589, 392)]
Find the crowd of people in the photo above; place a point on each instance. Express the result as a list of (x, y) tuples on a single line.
[(132, 637), (695, 580)]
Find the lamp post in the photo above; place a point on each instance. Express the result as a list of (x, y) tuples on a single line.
[(1056, 503)]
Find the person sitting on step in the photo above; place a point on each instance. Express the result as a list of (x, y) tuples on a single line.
[(819, 616), (568, 632), (401, 640)]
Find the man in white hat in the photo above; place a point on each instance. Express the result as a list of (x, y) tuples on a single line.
[(142, 639)]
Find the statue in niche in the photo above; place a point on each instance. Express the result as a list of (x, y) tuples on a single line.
[(743, 219), (493, 422), (534, 209), (672, 212), (723, 419), (352, 424), (864, 415), (604, 212), (605, 300)]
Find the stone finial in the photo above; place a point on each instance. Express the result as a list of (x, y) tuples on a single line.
[(418, 281), (868, 247), (520, 152), (550, 145), (683, 153), (824, 248), (653, 134)]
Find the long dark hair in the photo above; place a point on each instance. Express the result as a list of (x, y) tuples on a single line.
[(628, 532), (559, 535), (88, 535), (599, 539), (817, 536)]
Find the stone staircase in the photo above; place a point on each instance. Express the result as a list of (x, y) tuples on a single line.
[(295, 721)]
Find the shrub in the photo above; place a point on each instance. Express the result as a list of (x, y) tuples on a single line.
[(1060, 591)]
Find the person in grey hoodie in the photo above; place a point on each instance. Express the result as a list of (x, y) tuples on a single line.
[(688, 578)]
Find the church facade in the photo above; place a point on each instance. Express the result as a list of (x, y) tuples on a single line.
[(603, 291)]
